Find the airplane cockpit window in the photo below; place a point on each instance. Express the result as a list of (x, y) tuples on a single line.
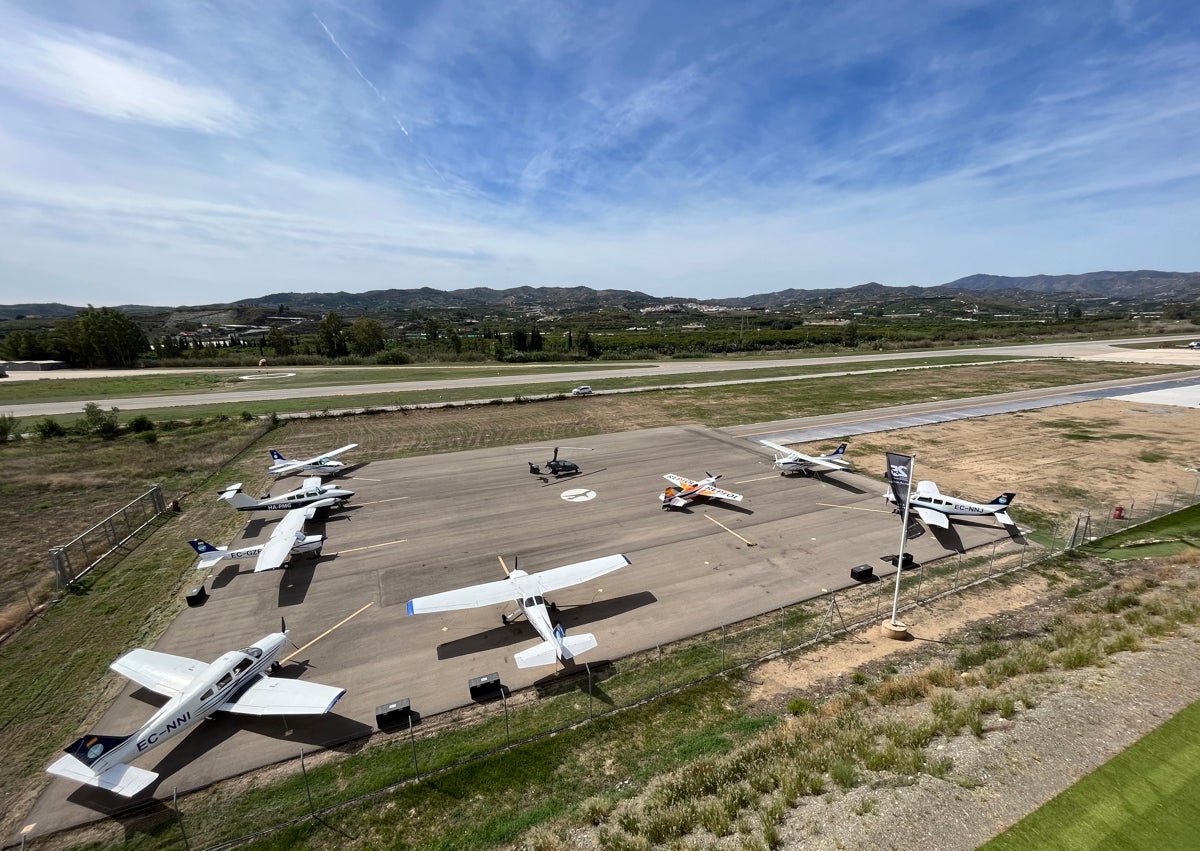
[(529, 601), (539, 601)]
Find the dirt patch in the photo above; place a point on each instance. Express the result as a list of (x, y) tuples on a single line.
[(816, 674)]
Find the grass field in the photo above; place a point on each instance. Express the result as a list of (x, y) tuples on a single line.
[(1143, 798)]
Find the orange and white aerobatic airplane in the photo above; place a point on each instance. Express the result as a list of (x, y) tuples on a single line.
[(685, 491)]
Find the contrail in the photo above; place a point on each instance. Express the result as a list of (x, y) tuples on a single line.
[(361, 75)]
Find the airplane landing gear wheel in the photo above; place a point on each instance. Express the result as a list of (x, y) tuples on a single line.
[(504, 619), (553, 607)]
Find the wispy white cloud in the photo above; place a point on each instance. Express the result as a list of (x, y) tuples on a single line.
[(686, 149)]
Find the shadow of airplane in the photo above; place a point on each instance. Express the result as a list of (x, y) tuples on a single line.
[(521, 631), (841, 484)]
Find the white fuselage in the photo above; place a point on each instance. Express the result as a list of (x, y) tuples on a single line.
[(209, 690), (533, 605), (322, 496), (950, 505)]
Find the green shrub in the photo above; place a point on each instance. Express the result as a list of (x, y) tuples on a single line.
[(141, 423), (48, 428), (800, 706)]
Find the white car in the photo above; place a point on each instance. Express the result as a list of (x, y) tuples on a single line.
[(582, 390)]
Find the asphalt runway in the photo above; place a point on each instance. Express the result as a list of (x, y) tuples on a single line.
[(422, 525)]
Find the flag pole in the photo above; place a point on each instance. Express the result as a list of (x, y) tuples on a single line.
[(894, 628)]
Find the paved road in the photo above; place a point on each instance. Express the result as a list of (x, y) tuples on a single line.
[(258, 391)]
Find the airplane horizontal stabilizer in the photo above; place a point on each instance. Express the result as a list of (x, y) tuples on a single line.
[(575, 645), (540, 654), (1003, 518), (125, 780)]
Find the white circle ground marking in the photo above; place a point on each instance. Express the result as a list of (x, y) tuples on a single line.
[(261, 376), (578, 495)]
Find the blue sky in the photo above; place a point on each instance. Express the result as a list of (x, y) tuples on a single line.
[(189, 152)]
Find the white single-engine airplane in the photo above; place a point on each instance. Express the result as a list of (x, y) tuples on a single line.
[(236, 682), (936, 508), (686, 491), (312, 494), (287, 539), (322, 465), (528, 590), (792, 461)]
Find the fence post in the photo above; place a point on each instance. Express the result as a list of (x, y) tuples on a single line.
[(413, 741), (178, 816), (507, 732), (782, 629), (722, 647), (659, 646), (588, 667), (307, 789)]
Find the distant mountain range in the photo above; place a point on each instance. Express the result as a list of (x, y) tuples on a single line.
[(1143, 286)]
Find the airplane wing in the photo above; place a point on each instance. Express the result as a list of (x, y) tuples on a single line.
[(336, 452), (311, 482), (584, 571), (783, 449), (927, 488), (679, 480), (932, 518), (279, 547), (160, 672), (487, 594), (296, 465), (721, 494), (278, 696)]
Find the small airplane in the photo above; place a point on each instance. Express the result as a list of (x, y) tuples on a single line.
[(555, 466), (236, 682), (528, 590), (287, 540), (936, 508), (322, 465), (792, 461), (312, 493), (686, 491)]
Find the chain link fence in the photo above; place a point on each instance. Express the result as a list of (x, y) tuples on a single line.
[(72, 560)]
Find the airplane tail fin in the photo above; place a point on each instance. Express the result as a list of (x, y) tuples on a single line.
[(209, 555), (88, 749), (276, 455), (83, 753), (236, 497), (839, 452), (1003, 499)]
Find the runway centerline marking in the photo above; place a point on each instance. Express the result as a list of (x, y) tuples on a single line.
[(855, 508), (373, 546), (365, 479), (300, 650), (377, 501), (747, 481), (746, 541)]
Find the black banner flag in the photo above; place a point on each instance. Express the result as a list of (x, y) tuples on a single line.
[(899, 473)]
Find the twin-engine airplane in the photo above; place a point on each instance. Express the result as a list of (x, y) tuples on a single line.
[(236, 682), (312, 494), (936, 508), (322, 465), (792, 461), (528, 590), (687, 491), (287, 539)]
